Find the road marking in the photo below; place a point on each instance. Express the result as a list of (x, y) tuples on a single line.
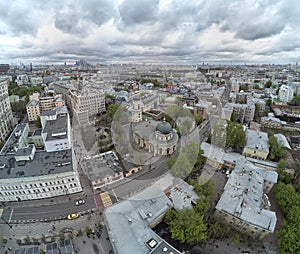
[(11, 213), (1, 212), (113, 191)]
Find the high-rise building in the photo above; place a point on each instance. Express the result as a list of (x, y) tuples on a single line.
[(87, 103), (285, 93), (6, 116)]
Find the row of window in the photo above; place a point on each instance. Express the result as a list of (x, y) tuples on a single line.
[(36, 185), (34, 191)]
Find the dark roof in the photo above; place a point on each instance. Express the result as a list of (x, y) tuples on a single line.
[(164, 127)]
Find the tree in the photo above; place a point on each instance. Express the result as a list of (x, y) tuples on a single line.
[(235, 136), (244, 87), (268, 84), (295, 101), (234, 117), (277, 151), (112, 109), (269, 102), (186, 225), (198, 118), (38, 123)]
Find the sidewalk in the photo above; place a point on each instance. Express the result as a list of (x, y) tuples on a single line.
[(70, 228)]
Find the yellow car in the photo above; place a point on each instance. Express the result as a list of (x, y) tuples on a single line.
[(73, 216)]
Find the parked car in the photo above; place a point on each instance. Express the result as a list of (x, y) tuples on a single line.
[(73, 216), (80, 202)]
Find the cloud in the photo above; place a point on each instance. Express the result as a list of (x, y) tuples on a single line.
[(150, 30), (134, 13)]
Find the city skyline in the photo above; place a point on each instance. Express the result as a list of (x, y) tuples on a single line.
[(165, 31)]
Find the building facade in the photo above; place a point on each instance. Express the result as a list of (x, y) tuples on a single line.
[(285, 93), (158, 138), (6, 116), (38, 104), (40, 164), (244, 204), (257, 145), (87, 103)]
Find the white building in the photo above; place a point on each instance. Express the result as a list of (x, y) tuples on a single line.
[(28, 173), (286, 93), (6, 116)]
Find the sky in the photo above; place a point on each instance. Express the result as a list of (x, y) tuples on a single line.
[(150, 31)]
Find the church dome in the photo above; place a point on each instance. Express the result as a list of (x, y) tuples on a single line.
[(164, 127)]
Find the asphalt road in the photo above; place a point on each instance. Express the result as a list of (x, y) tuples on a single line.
[(49, 212)]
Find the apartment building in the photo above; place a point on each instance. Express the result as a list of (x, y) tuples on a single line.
[(87, 103), (245, 112), (29, 172), (6, 116), (285, 93), (244, 204), (38, 104), (257, 145)]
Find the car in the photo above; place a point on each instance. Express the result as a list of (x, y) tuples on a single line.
[(73, 216), (80, 202)]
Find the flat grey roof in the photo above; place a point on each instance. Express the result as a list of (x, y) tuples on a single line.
[(13, 139), (257, 140), (44, 163), (101, 166), (57, 129), (33, 103), (24, 150)]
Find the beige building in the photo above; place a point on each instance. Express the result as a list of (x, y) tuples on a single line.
[(257, 145), (6, 116), (87, 103), (38, 104)]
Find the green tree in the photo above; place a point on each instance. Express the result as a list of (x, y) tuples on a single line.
[(186, 225), (269, 102), (244, 87), (268, 84), (235, 136), (234, 117), (112, 109), (277, 151), (198, 118), (295, 101), (38, 123)]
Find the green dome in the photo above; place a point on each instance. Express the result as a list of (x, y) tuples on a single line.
[(164, 128)]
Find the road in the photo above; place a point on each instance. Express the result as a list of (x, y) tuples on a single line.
[(49, 212)]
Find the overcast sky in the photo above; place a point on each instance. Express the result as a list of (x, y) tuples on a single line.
[(161, 31)]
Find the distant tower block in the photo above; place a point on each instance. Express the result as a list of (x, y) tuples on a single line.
[(137, 108)]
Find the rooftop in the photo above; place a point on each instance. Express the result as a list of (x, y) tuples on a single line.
[(102, 165), (257, 140), (44, 163), (129, 221), (242, 196), (58, 128)]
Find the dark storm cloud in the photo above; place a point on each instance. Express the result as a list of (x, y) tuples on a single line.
[(134, 12)]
